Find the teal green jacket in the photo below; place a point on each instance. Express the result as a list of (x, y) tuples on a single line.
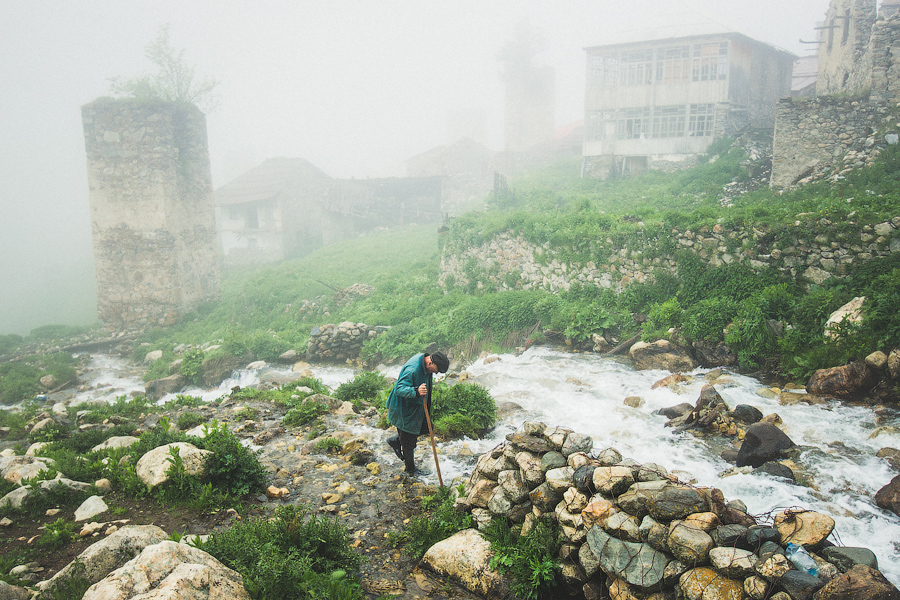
[(404, 406)]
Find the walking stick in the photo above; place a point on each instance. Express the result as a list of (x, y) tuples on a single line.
[(433, 446)]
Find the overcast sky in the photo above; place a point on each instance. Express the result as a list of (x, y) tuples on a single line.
[(355, 87)]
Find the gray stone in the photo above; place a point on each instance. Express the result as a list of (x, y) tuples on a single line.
[(90, 508), (689, 544), (733, 562), (577, 442), (844, 557), (637, 564), (465, 557), (513, 486), (552, 460)]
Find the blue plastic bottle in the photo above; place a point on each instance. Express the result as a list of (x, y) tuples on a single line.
[(801, 559)]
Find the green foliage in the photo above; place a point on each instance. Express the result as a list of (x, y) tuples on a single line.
[(192, 365), (185, 401), (662, 317), (9, 342), (174, 80), (439, 520), (21, 380), (247, 413), (365, 386), (292, 555), (57, 534), (233, 468), (123, 407), (329, 444), (708, 318), (465, 409), (530, 560), (189, 420), (306, 411)]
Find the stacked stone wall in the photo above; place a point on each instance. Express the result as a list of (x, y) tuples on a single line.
[(340, 342), (152, 218), (808, 251)]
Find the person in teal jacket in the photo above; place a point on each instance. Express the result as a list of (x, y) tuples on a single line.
[(405, 404)]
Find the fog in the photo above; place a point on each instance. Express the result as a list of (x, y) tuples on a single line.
[(355, 87)]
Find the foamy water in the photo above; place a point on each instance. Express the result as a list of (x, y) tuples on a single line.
[(586, 392)]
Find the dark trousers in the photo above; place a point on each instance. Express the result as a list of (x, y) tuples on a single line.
[(408, 447)]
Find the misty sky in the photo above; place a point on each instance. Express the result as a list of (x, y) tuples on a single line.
[(355, 87)]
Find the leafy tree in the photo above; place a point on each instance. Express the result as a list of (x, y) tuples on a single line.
[(174, 81)]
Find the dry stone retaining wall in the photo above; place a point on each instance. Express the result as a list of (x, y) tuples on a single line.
[(509, 262), (340, 342), (638, 532)]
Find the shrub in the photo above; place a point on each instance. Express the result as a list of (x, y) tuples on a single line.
[(233, 468), (57, 534), (661, 318), (329, 444), (364, 386), (707, 319), (192, 365), (306, 411), (189, 420), (463, 409), (292, 555)]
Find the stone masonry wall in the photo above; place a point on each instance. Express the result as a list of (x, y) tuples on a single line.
[(508, 262), (152, 216), (829, 135), (816, 137)]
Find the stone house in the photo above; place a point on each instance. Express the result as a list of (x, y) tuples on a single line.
[(271, 212), (658, 103)]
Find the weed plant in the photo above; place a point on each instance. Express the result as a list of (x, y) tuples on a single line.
[(57, 534), (305, 412), (364, 386), (294, 554), (530, 560), (439, 520), (465, 409)]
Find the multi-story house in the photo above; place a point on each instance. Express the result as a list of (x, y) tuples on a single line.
[(657, 104)]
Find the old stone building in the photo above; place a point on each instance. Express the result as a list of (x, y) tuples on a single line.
[(271, 212), (151, 211), (858, 86)]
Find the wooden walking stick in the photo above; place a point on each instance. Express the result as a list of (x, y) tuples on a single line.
[(433, 446)]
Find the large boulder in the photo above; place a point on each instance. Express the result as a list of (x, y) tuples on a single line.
[(804, 528), (152, 466), (158, 388), (465, 558), (661, 355), (170, 571), (859, 583), (846, 381), (762, 443), (888, 497), (100, 559), (15, 468), (850, 312)]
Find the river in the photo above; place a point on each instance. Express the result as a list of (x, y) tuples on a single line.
[(585, 392)]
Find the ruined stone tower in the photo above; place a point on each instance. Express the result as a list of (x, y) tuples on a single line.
[(152, 217)]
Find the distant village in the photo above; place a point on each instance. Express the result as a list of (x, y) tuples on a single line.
[(161, 235)]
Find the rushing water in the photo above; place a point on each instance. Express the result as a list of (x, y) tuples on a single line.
[(585, 393)]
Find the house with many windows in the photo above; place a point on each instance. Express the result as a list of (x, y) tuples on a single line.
[(657, 104)]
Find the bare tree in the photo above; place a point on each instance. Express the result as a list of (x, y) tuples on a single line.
[(174, 80)]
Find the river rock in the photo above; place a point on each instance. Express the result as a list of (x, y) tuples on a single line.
[(800, 585), (637, 564), (622, 525), (746, 414), (552, 460), (762, 442), (689, 544), (152, 466), (465, 558), (513, 486), (170, 571), (15, 468), (733, 562), (845, 557), (851, 312), (804, 528), (90, 508), (661, 355), (481, 493), (118, 441), (704, 583), (11, 592), (577, 442), (772, 566), (888, 497), (714, 353), (859, 583), (103, 557), (528, 443), (846, 381), (560, 479), (776, 469), (158, 388), (612, 481), (891, 455)]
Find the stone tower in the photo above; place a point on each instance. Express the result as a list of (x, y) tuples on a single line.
[(152, 216)]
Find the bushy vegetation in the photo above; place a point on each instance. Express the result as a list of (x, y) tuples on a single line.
[(529, 559), (438, 521), (364, 386), (21, 380), (292, 555), (465, 409)]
